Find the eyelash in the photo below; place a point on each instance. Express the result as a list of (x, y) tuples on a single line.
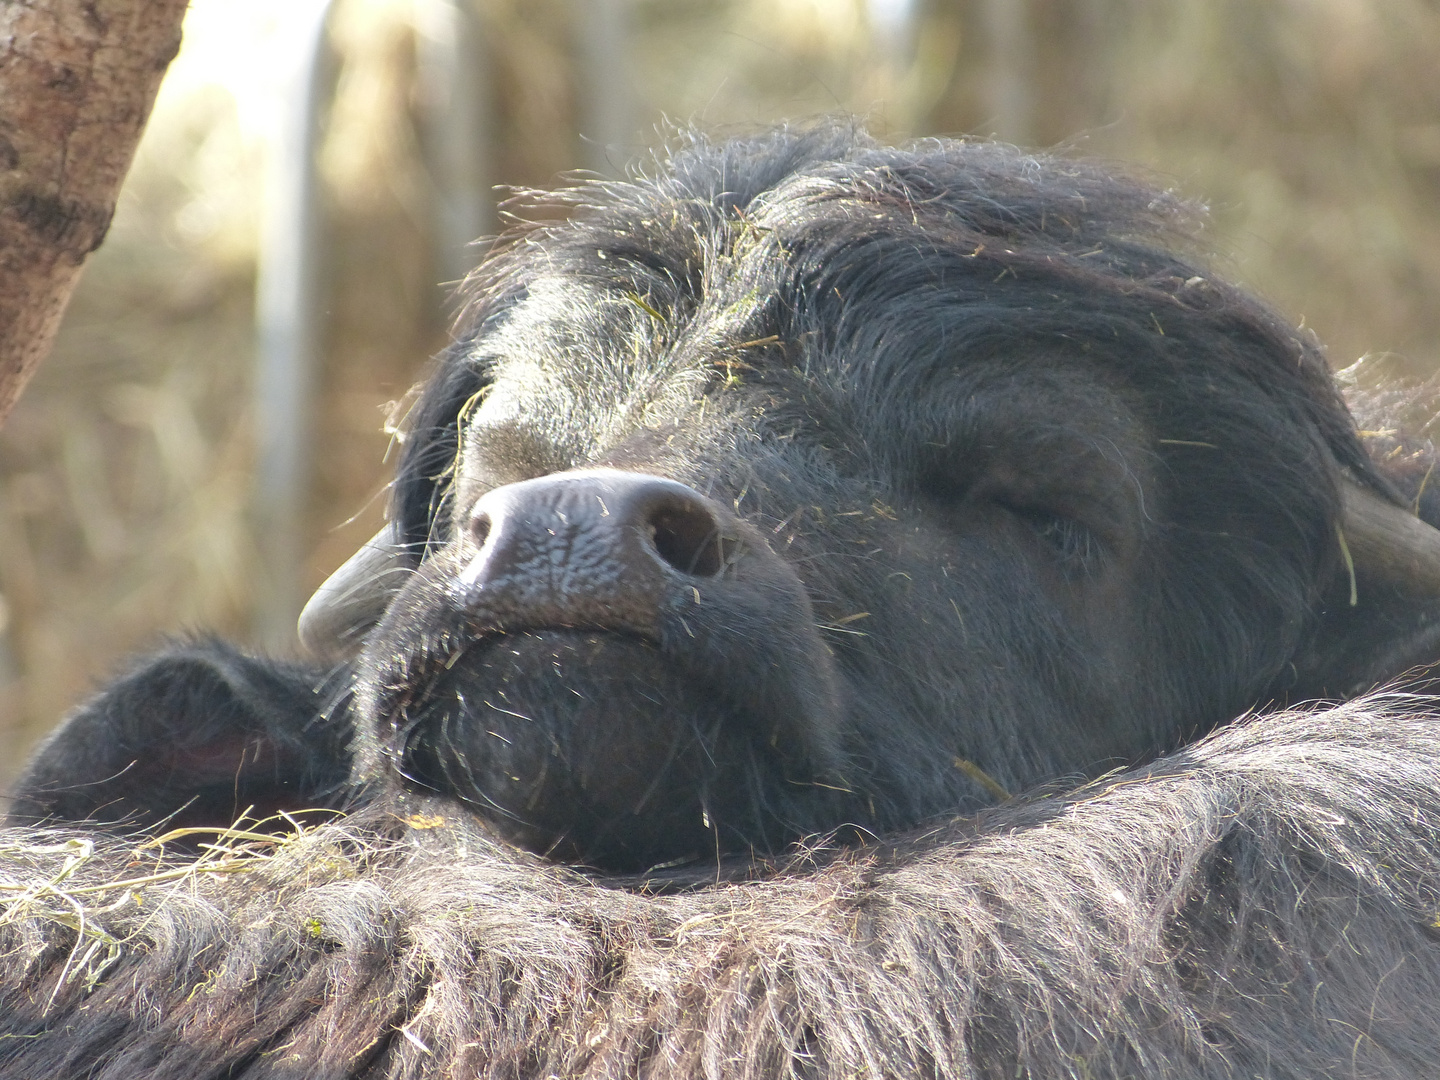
[(1074, 544)]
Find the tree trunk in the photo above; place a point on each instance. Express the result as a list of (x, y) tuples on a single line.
[(77, 80)]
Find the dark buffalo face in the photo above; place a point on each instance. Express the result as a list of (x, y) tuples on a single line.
[(812, 484)]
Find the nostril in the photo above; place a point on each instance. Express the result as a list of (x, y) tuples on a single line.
[(687, 538), (479, 529)]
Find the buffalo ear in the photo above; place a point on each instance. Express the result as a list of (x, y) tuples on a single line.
[(195, 737), (1380, 621)]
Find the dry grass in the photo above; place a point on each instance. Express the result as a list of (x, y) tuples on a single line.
[(1313, 128), (65, 883)]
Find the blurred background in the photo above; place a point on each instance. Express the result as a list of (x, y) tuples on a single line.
[(129, 502)]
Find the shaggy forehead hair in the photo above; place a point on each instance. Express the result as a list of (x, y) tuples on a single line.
[(822, 290)]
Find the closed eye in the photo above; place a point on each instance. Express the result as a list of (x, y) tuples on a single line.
[(1075, 546), (1078, 549)]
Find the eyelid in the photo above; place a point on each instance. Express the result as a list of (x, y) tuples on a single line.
[(1103, 508), (1075, 543)]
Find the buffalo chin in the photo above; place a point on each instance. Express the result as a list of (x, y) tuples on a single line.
[(595, 748)]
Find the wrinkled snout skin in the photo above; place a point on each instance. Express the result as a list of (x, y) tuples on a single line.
[(600, 658), (600, 549), (738, 522)]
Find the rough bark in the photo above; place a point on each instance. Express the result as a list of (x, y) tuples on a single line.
[(77, 80)]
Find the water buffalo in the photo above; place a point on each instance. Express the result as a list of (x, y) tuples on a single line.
[(814, 580)]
